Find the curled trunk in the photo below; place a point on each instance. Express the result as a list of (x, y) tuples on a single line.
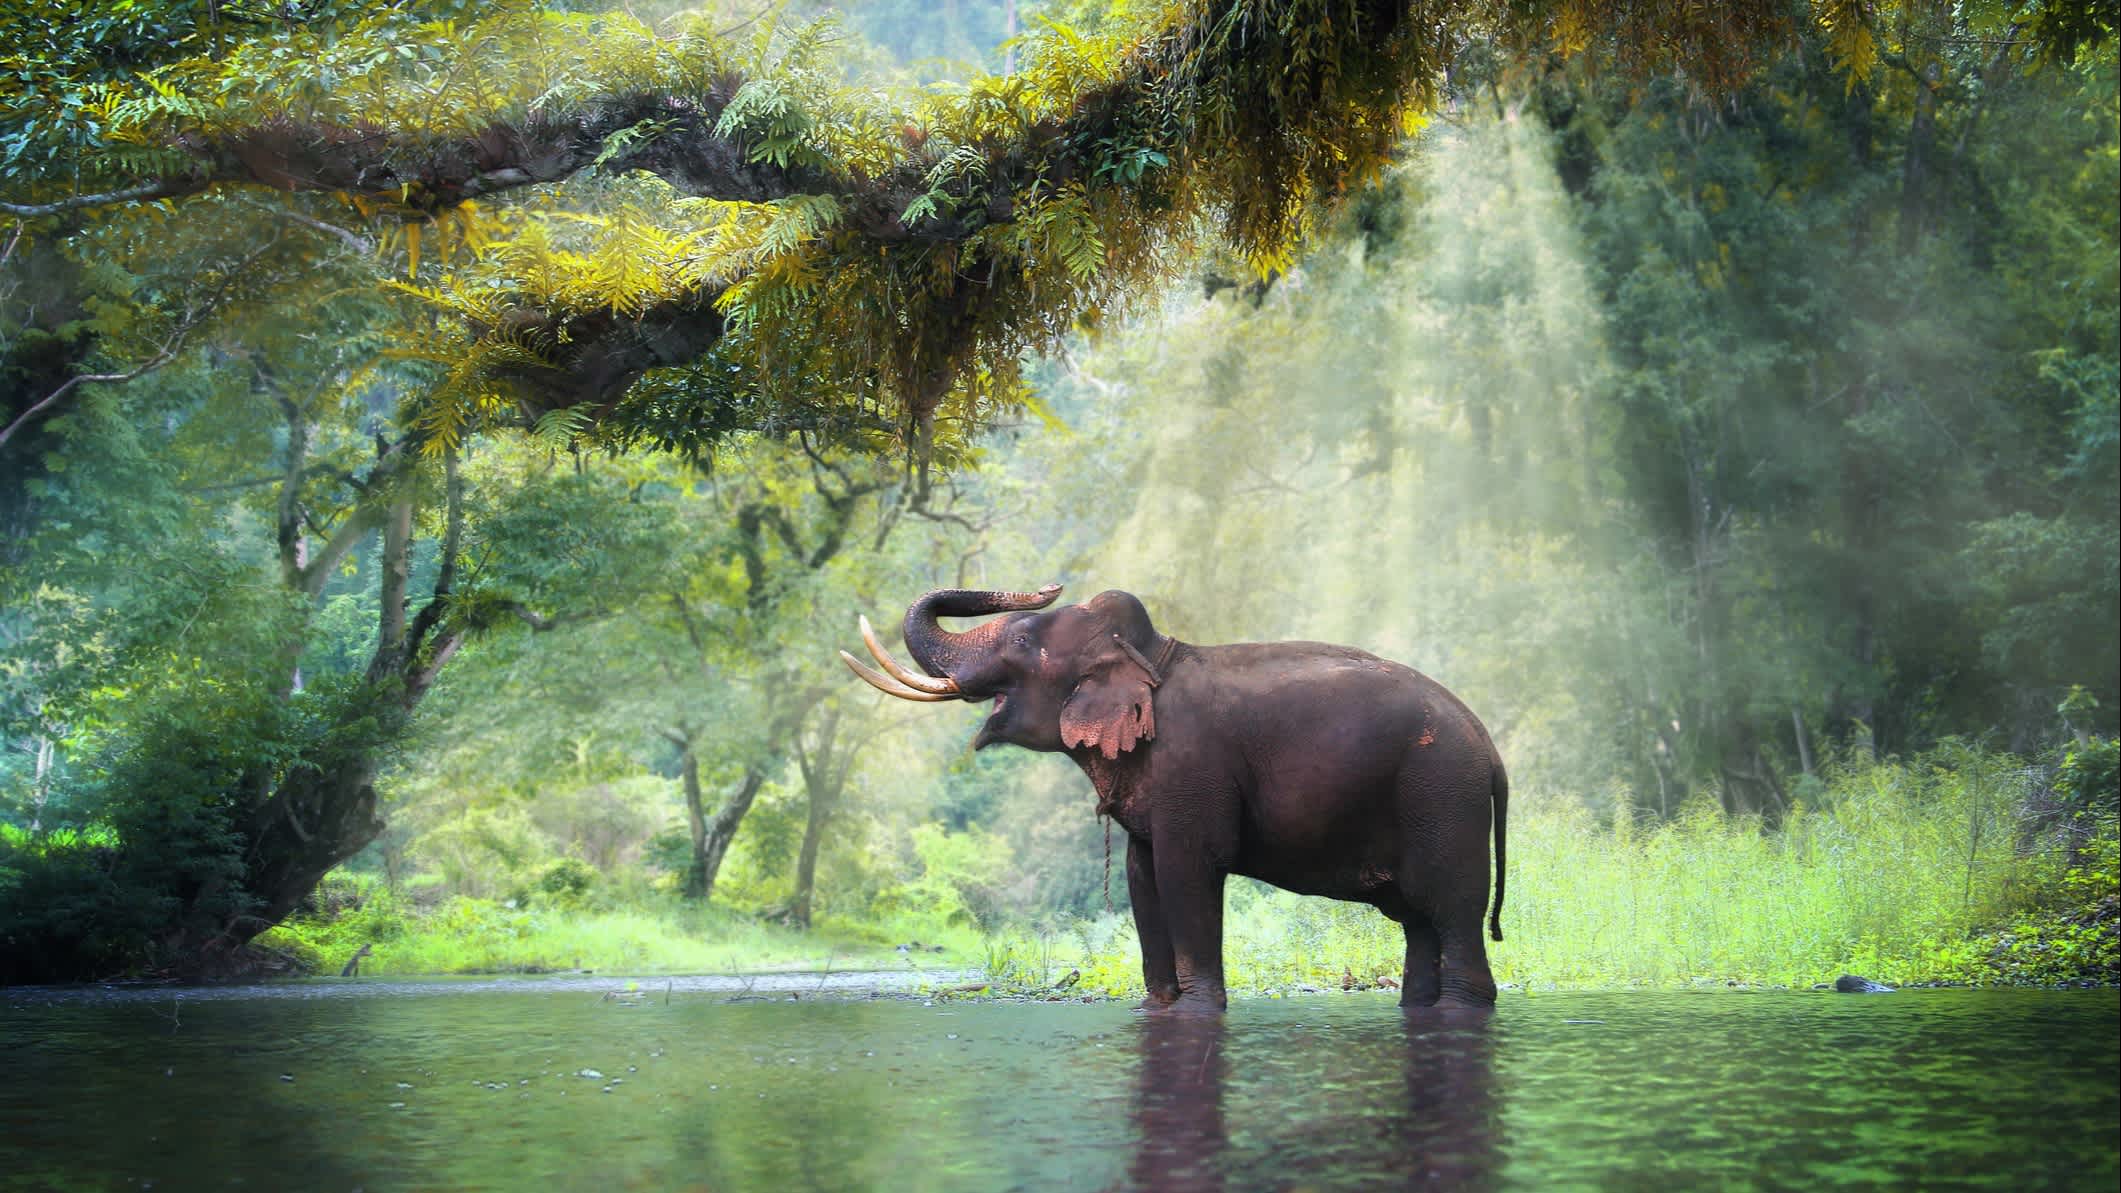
[(948, 655)]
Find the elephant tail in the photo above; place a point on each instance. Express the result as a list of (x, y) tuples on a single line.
[(1499, 791)]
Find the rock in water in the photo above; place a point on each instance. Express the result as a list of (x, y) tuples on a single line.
[(1849, 983)]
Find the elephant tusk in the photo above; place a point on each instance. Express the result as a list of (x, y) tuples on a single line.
[(919, 683), (889, 686)]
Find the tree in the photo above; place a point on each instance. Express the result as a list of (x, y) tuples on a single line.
[(620, 236), (229, 729), (1561, 414), (936, 237)]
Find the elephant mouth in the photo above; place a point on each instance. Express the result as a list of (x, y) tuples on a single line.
[(990, 731)]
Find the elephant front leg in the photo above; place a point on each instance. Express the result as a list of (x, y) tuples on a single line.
[(1189, 891), (1159, 972)]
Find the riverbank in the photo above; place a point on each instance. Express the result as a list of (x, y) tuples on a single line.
[(1276, 944), (461, 936), (1948, 869)]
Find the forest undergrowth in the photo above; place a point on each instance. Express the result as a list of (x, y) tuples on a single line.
[(1958, 866)]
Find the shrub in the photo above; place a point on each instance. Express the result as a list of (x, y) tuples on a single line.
[(566, 882)]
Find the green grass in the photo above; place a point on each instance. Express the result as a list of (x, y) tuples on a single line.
[(468, 936), (1927, 871), (1931, 870)]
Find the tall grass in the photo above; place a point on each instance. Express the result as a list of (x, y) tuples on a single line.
[(1891, 878), (1896, 874), (470, 936), (1932, 869)]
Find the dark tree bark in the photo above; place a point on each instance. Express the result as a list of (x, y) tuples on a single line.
[(721, 831), (711, 836), (824, 765), (321, 808), (697, 879)]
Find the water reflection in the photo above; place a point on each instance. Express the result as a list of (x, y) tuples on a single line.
[(1450, 1131), (1178, 1105), (1435, 1124), (564, 1090)]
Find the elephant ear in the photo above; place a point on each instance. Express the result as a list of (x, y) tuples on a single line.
[(1111, 709)]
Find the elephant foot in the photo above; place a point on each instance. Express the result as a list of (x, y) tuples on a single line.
[(1184, 1004), (1198, 1002), (1469, 992), (1157, 1000), (1416, 998), (1448, 1013)]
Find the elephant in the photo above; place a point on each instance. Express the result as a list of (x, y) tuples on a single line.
[(1320, 769)]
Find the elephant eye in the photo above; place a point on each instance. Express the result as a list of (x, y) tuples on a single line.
[(1021, 640)]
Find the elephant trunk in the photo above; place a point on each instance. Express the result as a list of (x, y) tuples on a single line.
[(948, 655)]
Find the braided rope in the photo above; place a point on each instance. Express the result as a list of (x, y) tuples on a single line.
[(1108, 863)]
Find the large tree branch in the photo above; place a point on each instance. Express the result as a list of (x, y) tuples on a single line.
[(1218, 111), (437, 605), (289, 519), (172, 343), (421, 174), (544, 622), (158, 189), (365, 516), (593, 357), (692, 627)]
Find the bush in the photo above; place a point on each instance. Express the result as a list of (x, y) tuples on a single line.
[(566, 882), (346, 912), (2074, 936), (957, 888), (2089, 779)]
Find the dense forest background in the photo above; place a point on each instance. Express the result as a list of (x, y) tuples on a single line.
[(1746, 456)]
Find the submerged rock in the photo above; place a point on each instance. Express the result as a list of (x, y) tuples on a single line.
[(1849, 983)]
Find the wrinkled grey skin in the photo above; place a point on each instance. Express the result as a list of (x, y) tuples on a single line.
[(1317, 768)]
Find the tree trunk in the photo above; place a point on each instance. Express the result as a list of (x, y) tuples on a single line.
[(320, 808), (40, 783), (806, 863), (397, 575), (313, 822), (1804, 743), (696, 879), (1917, 167), (721, 831), (824, 768), (712, 836), (1859, 519)]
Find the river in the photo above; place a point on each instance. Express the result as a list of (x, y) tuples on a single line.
[(581, 1083)]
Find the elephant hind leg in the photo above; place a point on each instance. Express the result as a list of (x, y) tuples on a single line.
[(1463, 971), (1447, 957), (1422, 984)]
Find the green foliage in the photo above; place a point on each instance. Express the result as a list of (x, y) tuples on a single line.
[(1898, 875), (464, 936), (347, 912), (957, 886), (1688, 441), (2089, 778), (2073, 937), (565, 882)]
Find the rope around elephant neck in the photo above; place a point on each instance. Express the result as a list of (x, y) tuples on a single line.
[(1108, 862)]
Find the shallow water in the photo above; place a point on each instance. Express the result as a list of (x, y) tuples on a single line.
[(547, 1084)]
